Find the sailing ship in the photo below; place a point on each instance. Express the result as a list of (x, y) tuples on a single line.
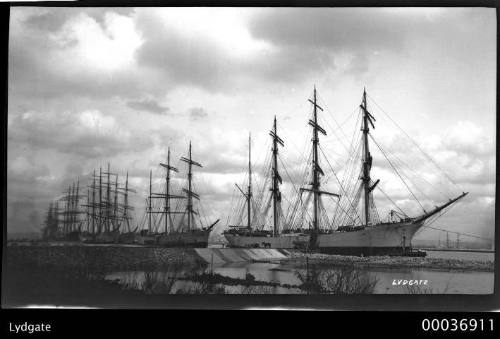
[(106, 215), (253, 236), (64, 224), (360, 230), (185, 230)]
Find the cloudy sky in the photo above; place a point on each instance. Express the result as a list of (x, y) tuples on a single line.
[(91, 86)]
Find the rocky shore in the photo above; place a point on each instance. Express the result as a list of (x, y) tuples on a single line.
[(298, 258)]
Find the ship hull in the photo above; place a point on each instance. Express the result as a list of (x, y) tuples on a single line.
[(148, 239), (198, 239), (86, 237), (107, 237), (392, 238), (128, 238), (282, 241)]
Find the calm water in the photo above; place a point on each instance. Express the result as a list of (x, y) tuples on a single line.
[(384, 280)]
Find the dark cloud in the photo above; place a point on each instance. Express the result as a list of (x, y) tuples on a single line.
[(148, 105), (54, 19), (66, 133), (337, 29)]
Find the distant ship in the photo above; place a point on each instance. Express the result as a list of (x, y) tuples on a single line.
[(360, 232), (186, 230), (103, 218)]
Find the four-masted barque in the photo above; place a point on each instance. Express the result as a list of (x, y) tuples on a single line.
[(358, 231)]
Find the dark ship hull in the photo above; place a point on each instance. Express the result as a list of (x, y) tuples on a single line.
[(290, 241), (196, 238), (107, 237)]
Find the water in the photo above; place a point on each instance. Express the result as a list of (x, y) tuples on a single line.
[(384, 281)]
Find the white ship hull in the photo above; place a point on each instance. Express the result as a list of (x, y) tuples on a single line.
[(380, 239), (281, 241)]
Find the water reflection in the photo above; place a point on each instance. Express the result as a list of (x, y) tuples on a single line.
[(271, 278)]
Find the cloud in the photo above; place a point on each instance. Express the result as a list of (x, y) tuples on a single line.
[(90, 134), (197, 113), (83, 80), (148, 105)]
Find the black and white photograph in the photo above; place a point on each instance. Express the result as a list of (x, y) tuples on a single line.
[(156, 151)]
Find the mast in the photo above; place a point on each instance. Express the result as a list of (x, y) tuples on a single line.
[(125, 201), (190, 197), (249, 192), (167, 191), (88, 210), (108, 202), (276, 177), (149, 200), (315, 164), (189, 191), (56, 217), (316, 169), (100, 200), (76, 201), (167, 196), (115, 205), (93, 203), (367, 158), (71, 208)]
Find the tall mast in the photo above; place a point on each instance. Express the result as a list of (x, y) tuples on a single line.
[(167, 191), (108, 202), (88, 210), (100, 200), (190, 197), (125, 201), (276, 177), (189, 192), (167, 195), (76, 199), (367, 159), (115, 203), (56, 215), (72, 208), (93, 204), (66, 212), (249, 192), (149, 200), (316, 169)]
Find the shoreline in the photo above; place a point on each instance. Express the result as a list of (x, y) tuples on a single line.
[(120, 257), (297, 257)]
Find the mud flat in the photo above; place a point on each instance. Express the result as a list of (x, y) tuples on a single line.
[(299, 258)]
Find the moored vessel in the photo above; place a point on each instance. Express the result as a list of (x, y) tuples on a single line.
[(181, 227), (255, 236)]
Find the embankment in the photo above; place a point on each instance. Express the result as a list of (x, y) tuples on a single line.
[(103, 258), (298, 258)]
